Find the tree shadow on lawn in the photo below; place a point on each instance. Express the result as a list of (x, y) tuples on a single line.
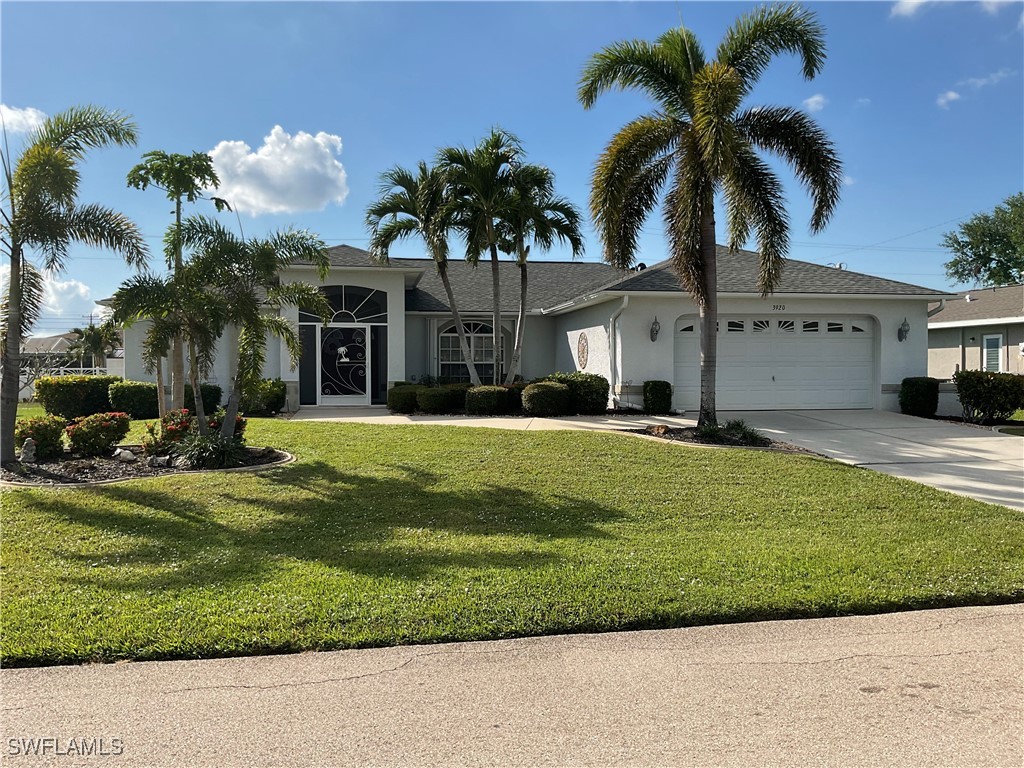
[(318, 513)]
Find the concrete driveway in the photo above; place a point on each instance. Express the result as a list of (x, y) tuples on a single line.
[(970, 461)]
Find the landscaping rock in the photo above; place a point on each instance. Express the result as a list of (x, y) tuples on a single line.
[(28, 450), (180, 462), (159, 461), (125, 456)]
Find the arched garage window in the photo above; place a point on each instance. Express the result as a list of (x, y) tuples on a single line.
[(451, 364)]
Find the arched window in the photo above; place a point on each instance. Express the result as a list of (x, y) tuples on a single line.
[(452, 365), (352, 304)]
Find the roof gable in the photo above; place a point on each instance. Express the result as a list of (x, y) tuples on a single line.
[(983, 304)]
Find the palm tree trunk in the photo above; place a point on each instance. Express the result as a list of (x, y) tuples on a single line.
[(496, 283), (197, 395), (474, 377), (708, 324), (10, 381), (227, 429), (177, 344), (513, 364), (161, 397)]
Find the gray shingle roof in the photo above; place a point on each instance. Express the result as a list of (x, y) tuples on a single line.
[(737, 273), (984, 304)]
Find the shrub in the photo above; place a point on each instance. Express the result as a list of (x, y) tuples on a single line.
[(263, 397), (211, 451), (735, 432), (136, 398), (74, 396), (588, 392), (210, 394), (547, 398), (987, 396), (459, 391), (97, 434), (437, 399), (402, 399), (919, 396), (657, 397), (489, 401), (47, 431), (515, 396), (215, 420)]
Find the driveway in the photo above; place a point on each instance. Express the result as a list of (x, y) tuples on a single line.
[(970, 461)]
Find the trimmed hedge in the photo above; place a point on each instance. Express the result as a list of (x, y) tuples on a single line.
[(588, 392), (919, 396), (47, 431), (210, 394), (657, 397), (547, 398), (74, 396), (515, 396), (266, 397), (136, 398), (439, 400), (490, 401), (403, 399), (987, 396), (97, 434)]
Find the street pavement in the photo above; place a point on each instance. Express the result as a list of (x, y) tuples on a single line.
[(927, 688)]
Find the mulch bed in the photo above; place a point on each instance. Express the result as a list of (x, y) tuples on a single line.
[(689, 435), (97, 468)]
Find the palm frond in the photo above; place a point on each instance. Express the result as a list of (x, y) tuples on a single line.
[(99, 226), (31, 304), (654, 68), (81, 128), (688, 203)]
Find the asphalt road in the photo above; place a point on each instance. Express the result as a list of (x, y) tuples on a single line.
[(929, 688)]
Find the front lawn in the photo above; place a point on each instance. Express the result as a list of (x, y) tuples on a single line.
[(388, 535)]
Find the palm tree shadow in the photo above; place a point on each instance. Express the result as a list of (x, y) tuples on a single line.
[(407, 525)]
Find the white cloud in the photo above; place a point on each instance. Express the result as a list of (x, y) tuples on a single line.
[(947, 98), (863, 101), (17, 120), (65, 303), (993, 6), (906, 7), (991, 79), (816, 103), (848, 181), (286, 174)]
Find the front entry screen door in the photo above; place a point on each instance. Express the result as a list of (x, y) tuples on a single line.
[(344, 365)]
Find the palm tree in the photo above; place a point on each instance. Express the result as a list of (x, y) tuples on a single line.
[(96, 341), (699, 142), (182, 178), (245, 274), (40, 213), (418, 204), (480, 181), (535, 214)]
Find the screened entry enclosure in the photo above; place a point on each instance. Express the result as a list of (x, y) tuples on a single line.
[(344, 361)]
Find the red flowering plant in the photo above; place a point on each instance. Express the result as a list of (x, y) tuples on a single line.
[(97, 434), (215, 420)]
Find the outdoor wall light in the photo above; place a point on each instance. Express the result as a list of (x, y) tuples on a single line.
[(904, 331), (655, 329)]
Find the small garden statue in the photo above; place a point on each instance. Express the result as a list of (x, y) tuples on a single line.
[(28, 450)]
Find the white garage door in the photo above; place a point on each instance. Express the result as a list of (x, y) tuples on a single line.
[(793, 362)]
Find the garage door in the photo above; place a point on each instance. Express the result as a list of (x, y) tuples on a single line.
[(767, 363)]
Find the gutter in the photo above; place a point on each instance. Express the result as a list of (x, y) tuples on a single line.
[(613, 347), (942, 306)]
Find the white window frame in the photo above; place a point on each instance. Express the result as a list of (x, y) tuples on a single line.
[(999, 351)]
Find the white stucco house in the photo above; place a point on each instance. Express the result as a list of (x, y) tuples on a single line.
[(826, 338), (982, 332)]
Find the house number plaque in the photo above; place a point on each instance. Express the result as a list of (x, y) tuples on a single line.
[(582, 351)]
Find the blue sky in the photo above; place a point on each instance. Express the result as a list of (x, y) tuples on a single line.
[(304, 104)]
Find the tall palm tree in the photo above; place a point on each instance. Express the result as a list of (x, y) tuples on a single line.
[(96, 341), (39, 213), (481, 184), (245, 273), (700, 142), (182, 178), (418, 204), (535, 216)]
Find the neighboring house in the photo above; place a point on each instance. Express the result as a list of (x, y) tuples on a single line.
[(827, 338), (52, 356), (985, 331)]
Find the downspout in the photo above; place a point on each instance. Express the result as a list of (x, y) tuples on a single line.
[(613, 348), (936, 310)]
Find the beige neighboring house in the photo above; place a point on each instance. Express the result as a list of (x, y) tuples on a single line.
[(984, 331)]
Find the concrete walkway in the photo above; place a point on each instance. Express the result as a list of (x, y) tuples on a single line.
[(928, 688), (970, 461)]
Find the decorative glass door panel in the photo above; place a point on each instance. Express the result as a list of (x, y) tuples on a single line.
[(344, 365)]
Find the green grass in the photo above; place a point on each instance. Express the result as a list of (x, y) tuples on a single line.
[(391, 535)]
